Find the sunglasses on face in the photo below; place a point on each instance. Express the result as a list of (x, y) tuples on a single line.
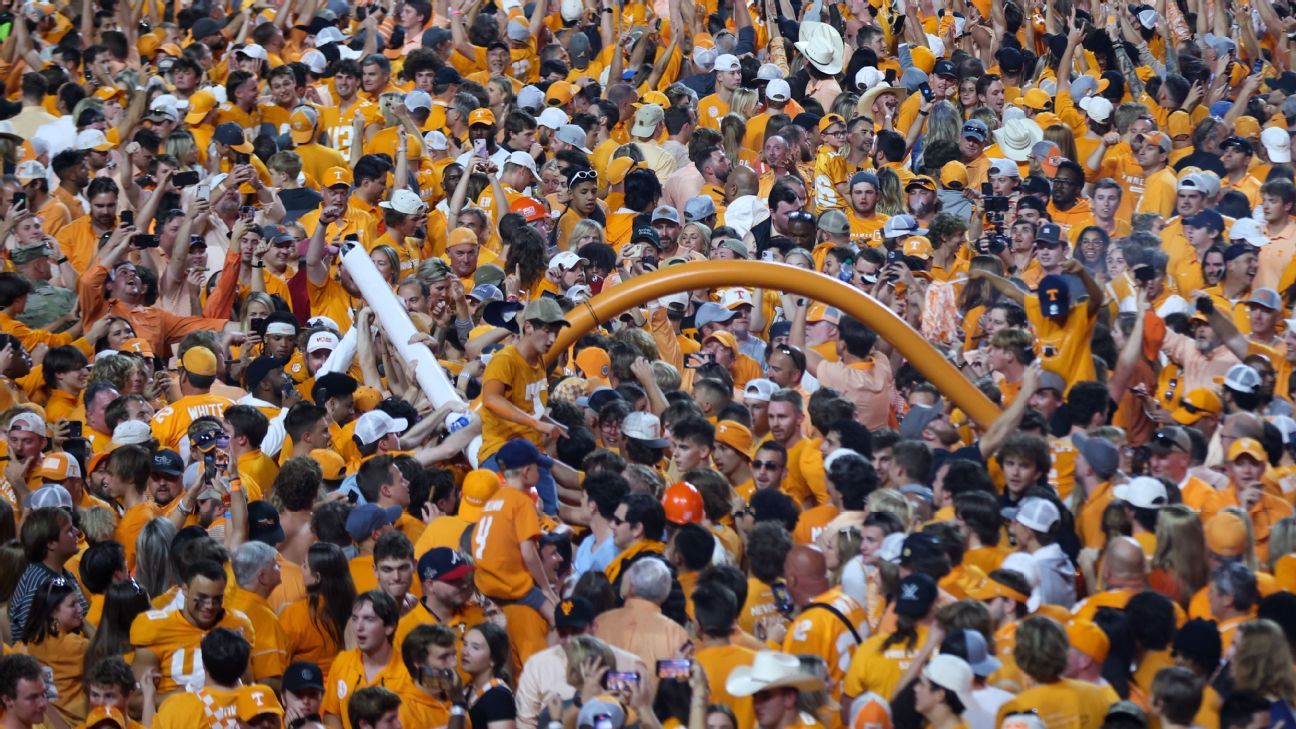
[(762, 465)]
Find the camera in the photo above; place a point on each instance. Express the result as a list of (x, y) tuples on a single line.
[(994, 244)]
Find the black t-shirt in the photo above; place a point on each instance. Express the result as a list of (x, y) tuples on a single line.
[(495, 705), (298, 202)]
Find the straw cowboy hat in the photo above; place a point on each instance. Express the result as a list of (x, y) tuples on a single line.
[(1017, 136), (770, 670), (822, 46), (865, 105)]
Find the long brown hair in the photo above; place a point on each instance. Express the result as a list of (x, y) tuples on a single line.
[(330, 599)]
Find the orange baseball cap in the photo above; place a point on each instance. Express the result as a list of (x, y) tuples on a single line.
[(560, 94), (619, 168), (1179, 124), (58, 467), (682, 504), (1196, 405), (530, 208), (199, 361), (200, 105), (991, 588), (301, 127), (1089, 639), (595, 364), (366, 398), (137, 346), (1037, 99), (148, 44), (735, 435), (255, 700), (101, 715), (461, 236), (1247, 447), (725, 339), (481, 116), (334, 176), (954, 172), (923, 58), (478, 487), (829, 120), (918, 246), (332, 464), (1226, 535), (823, 312), (1247, 127)]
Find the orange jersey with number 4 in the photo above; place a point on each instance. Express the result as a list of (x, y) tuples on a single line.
[(508, 521), (174, 640)]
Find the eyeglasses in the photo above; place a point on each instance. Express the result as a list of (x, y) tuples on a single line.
[(762, 465)]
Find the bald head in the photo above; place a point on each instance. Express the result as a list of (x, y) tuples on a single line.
[(806, 572), (742, 181), (1244, 425), (1124, 564)]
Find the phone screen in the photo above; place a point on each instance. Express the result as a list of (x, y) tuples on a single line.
[(674, 668)]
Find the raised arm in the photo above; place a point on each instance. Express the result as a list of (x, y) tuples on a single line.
[(999, 283), (1007, 422)]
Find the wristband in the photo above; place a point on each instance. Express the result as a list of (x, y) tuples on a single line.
[(457, 710), (62, 260)]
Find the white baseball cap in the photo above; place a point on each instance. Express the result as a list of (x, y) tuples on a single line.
[(1277, 143), (322, 340), (522, 159), (1097, 107), (406, 202), (567, 260), (1143, 492), (778, 90), (436, 141), (375, 424), (760, 390), (727, 62), (130, 432), (418, 99), (1244, 229), (952, 674), (768, 72), (1037, 514), (553, 117), (252, 50)]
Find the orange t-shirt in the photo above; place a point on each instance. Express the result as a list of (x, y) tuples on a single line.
[(508, 520)]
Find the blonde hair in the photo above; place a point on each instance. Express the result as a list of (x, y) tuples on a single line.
[(181, 145), (1262, 661), (587, 227), (892, 502), (1181, 549), (744, 103), (98, 524), (1282, 541), (581, 647)]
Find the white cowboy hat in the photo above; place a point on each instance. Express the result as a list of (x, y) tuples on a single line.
[(1016, 137), (822, 46), (771, 669), (865, 105)]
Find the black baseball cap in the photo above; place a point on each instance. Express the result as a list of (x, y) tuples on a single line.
[(258, 369), (575, 612), (333, 384), (263, 523), (301, 676), (917, 593), (920, 546), (1050, 234), (647, 234), (168, 462), (945, 68), (444, 564)]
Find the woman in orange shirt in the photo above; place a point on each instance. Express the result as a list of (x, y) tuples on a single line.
[(55, 639), (316, 626), (123, 602)]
